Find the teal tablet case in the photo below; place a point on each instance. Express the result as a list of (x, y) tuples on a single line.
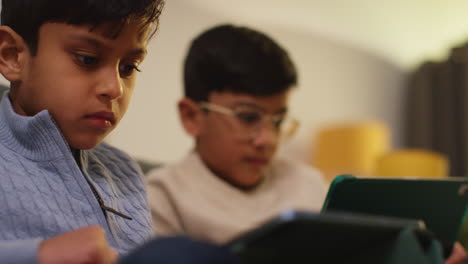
[(441, 204)]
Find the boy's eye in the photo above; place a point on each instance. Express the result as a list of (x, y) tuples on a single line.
[(249, 118), (128, 69), (87, 60), (278, 120)]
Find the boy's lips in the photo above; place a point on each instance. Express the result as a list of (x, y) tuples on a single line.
[(257, 161), (101, 119)]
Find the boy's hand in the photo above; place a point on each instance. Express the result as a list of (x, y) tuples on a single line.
[(82, 246), (458, 255)]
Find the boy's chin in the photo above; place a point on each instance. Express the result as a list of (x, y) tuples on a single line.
[(249, 183), (85, 140)]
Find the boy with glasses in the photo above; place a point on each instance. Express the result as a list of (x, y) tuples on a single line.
[(237, 84)]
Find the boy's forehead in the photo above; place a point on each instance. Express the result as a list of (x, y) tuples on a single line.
[(113, 29), (130, 40)]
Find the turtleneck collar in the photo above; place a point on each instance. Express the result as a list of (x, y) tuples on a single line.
[(35, 137)]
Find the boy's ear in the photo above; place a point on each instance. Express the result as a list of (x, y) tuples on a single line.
[(13, 52), (191, 116)]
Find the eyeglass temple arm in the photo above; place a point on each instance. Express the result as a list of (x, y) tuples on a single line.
[(216, 108)]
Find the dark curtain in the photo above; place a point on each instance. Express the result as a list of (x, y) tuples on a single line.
[(437, 115)]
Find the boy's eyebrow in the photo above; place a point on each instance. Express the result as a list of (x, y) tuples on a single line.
[(138, 52), (247, 104), (100, 45), (257, 107), (90, 40)]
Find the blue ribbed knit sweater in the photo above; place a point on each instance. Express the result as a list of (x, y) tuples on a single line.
[(43, 192)]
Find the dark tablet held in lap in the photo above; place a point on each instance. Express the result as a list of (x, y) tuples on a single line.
[(299, 237), (441, 204)]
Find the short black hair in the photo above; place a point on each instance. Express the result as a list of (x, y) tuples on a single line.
[(25, 17), (239, 60)]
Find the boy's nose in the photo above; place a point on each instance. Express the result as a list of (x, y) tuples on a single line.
[(111, 86), (266, 136)]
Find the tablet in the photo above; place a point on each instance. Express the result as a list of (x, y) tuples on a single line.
[(441, 204), (295, 237)]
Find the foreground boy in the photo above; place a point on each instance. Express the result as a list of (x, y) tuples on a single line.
[(72, 67), (237, 85)]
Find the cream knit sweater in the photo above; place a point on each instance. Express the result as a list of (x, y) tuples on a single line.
[(187, 198)]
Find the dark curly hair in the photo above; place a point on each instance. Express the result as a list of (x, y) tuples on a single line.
[(238, 60)]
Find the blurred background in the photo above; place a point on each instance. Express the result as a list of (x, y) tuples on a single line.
[(398, 64)]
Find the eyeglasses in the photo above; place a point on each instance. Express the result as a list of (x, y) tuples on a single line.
[(248, 121)]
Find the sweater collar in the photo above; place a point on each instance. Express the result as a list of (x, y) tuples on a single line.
[(35, 137)]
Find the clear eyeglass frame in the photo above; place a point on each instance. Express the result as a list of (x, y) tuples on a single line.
[(249, 121)]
